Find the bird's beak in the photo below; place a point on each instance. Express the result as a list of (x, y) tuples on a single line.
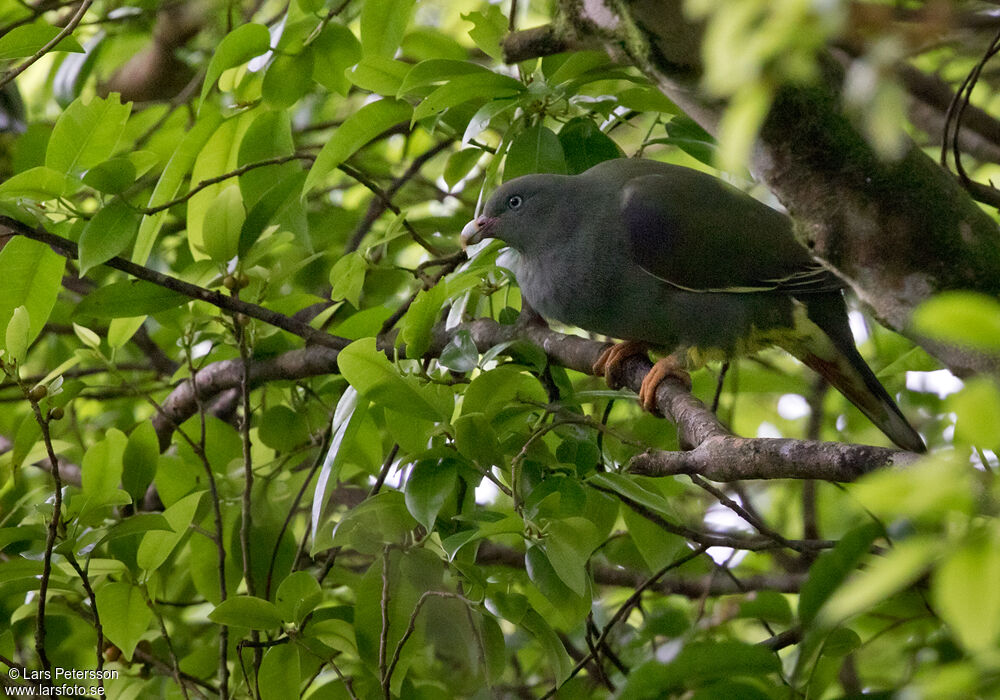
[(476, 230)]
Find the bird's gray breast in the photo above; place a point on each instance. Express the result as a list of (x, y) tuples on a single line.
[(585, 284)]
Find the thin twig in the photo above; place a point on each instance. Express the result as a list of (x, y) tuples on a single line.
[(69, 249), (277, 160), (412, 626), (380, 193), (626, 607), (98, 628), (383, 638), (65, 32)]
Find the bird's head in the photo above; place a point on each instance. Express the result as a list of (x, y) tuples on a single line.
[(516, 211)]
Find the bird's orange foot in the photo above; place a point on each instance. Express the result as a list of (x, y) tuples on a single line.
[(669, 366), (609, 363)]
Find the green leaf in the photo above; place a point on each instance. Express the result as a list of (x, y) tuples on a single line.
[(236, 48), (476, 440), (740, 123), (112, 176), (378, 521), (21, 533), (961, 317), (430, 483), (101, 469), (19, 569), (298, 595), (464, 88), (87, 336), (439, 70), (32, 277), (156, 546), (884, 576), (280, 673), (335, 50), (222, 225), (128, 298), (86, 133), (534, 150), (460, 354), (247, 611), (560, 662), (769, 606), (375, 378), (646, 99), (28, 39), (347, 420), (356, 131), (939, 486), (657, 547), (569, 604), (39, 183), (142, 455), (172, 178), (585, 145), (268, 136), (501, 388), (219, 156), (347, 278), (572, 65), (383, 25), (418, 322), (288, 79), (459, 164), (137, 524), (965, 592), (17, 334), (567, 561), (124, 615), (698, 662), (423, 43), (489, 27), (108, 234), (482, 118), (379, 74), (283, 429), (282, 197), (977, 411), (633, 488), (832, 568)]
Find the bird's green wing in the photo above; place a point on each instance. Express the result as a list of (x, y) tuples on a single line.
[(700, 234)]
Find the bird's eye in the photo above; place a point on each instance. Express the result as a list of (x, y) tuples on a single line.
[(514, 201)]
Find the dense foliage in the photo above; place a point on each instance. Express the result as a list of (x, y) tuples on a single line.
[(236, 315)]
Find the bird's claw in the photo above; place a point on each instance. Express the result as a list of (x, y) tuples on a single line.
[(610, 360), (669, 366)]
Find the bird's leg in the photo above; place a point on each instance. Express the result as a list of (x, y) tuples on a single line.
[(529, 317), (670, 366), (609, 363)]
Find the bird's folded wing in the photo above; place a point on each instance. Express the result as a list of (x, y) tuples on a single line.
[(699, 234)]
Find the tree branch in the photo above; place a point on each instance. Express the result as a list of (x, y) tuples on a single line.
[(717, 452), (730, 458), (69, 249)]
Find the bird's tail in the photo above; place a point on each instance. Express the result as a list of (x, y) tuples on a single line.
[(834, 356)]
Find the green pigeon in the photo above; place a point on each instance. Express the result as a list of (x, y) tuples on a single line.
[(666, 257)]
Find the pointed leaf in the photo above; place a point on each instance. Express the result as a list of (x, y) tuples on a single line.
[(236, 48), (108, 234), (356, 131)]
